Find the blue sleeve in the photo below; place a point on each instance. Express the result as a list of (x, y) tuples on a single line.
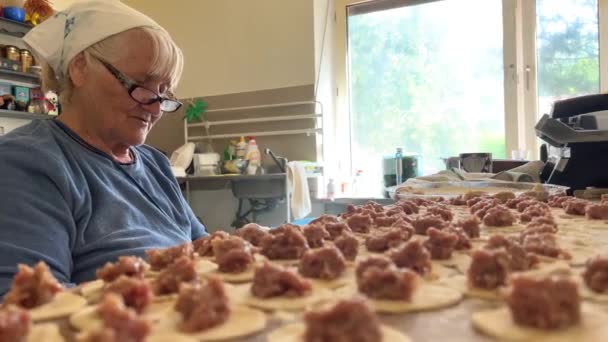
[(198, 229), (35, 218)]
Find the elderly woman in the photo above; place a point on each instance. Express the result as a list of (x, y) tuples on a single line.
[(81, 190)]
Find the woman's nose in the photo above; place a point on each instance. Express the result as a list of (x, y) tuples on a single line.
[(153, 108)]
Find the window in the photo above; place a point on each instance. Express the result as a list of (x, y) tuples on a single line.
[(567, 50), (443, 77), (428, 79)]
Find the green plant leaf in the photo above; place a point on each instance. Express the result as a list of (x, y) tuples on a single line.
[(195, 111)]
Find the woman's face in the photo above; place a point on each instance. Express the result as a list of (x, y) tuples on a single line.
[(117, 118)]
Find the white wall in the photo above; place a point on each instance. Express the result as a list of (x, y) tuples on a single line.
[(236, 46)]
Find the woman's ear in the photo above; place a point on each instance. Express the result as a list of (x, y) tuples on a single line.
[(78, 70)]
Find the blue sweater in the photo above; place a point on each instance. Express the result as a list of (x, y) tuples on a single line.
[(72, 206)]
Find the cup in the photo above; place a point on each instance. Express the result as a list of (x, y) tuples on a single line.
[(519, 154), (476, 162)]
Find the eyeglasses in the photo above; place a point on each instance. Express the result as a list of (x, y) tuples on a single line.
[(141, 94)]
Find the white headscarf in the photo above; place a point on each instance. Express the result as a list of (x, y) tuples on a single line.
[(61, 37)]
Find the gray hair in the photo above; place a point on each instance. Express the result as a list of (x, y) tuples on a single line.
[(167, 61)]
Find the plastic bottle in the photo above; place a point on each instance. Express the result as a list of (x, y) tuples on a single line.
[(253, 156), (331, 190), (399, 166), (241, 148), (232, 149)]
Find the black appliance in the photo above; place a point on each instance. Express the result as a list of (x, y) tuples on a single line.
[(576, 136)]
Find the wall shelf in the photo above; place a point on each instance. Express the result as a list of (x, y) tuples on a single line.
[(273, 105), (20, 77), (256, 134), (13, 114), (13, 28), (254, 120)]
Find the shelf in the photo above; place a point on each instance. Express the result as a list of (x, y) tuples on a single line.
[(256, 134), (22, 78), (274, 105), (20, 74), (13, 114), (232, 177), (253, 120), (13, 28)]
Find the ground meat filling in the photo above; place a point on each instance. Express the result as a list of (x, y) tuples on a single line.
[(535, 210), (181, 271), (232, 254), (408, 207), (383, 240), (458, 201), (120, 322), (289, 244), (512, 203), (423, 223), (379, 261), (440, 244), (387, 283), (444, 212), (537, 229), (204, 246), (596, 274), (202, 306), (540, 221), (360, 223), (463, 243), (15, 324), (325, 219), (519, 259), (253, 233), (499, 216), (385, 221), (470, 226), (394, 211), (471, 202), (323, 263), (544, 244), (523, 205), (597, 211), (481, 208), (488, 269), (412, 255), (349, 246), (550, 302), (558, 201), (32, 287), (161, 258), (575, 206), (336, 229), (129, 266), (136, 293), (347, 320), (315, 234), (275, 281)]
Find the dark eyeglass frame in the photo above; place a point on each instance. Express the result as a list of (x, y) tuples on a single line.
[(132, 86)]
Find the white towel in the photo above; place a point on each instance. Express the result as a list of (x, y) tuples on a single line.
[(298, 188)]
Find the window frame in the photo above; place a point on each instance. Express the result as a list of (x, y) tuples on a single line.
[(520, 87)]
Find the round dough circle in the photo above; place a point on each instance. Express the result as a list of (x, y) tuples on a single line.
[(426, 297), (64, 304), (498, 323), (294, 333), (242, 322)]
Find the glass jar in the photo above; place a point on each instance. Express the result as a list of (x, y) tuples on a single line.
[(12, 53), (26, 60)]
